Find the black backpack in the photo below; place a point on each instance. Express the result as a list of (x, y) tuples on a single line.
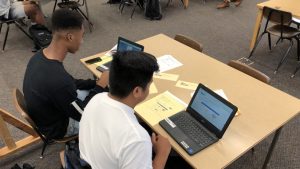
[(72, 157), (153, 10), (41, 36)]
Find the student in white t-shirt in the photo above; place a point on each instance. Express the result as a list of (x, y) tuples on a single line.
[(13, 9), (110, 136)]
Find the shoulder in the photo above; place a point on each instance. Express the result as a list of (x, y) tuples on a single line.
[(94, 107), (41, 70)]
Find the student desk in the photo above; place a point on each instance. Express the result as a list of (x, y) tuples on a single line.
[(285, 5), (264, 109)]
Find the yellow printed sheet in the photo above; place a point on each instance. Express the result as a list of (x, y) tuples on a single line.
[(166, 76), (160, 107), (186, 85), (105, 59)]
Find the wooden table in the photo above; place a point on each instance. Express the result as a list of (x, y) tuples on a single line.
[(263, 109), (285, 5)]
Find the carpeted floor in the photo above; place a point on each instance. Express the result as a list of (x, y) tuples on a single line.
[(225, 34)]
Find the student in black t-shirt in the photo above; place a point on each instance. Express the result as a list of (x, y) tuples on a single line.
[(50, 91)]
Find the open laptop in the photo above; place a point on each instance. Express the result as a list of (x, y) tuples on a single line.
[(203, 123), (123, 45)]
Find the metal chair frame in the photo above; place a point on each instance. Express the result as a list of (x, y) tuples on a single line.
[(8, 22), (284, 21), (123, 3)]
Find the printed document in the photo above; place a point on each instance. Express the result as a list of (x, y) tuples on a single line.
[(167, 62), (160, 107)]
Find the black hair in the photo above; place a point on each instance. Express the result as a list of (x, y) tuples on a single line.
[(64, 19), (129, 70)]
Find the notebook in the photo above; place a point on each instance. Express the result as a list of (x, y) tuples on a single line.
[(203, 122), (123, 45)]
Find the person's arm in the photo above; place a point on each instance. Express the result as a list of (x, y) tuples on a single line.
[(64, 98), (162, 148), (90, 84), (85, 84), (101, 86)]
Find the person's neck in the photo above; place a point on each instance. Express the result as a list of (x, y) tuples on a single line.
[(129, 102), (55, 51)]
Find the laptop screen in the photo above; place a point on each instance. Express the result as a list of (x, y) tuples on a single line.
[(126, 45), (212, 110), (123, 45)]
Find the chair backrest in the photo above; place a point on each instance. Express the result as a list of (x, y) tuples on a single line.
[(249, 71), (189, 42), (277, 16), (21, 107)]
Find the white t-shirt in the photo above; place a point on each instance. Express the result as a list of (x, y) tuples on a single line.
[(110, 136), (4, 8)]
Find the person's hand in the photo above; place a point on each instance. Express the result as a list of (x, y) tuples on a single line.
[(103, 81), (161, 144)]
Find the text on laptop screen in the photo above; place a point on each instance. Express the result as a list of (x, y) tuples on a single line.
[(125, 46), (215, 111)]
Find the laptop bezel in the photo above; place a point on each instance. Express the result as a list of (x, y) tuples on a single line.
[(206, 123), (128, 41)]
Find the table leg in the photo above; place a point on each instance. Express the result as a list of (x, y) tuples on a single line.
[(256, 28), (271, 148)]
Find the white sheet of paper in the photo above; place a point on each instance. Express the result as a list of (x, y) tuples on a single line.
[(112, 50), (167, 62), (221, 93)]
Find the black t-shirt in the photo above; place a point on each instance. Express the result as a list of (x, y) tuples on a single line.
[(49, 91)]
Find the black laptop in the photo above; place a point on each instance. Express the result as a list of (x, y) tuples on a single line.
[(203, 123), (123, 45)]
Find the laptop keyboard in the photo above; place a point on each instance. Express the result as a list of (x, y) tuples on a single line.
[(192, 129)]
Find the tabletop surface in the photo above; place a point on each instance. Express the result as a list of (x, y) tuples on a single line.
[(263, 108), (284, 5)]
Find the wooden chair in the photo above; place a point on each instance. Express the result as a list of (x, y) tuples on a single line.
[(21, 107), (281, 29), (8, 22), (12, 146), (189, 42), (249, 71)]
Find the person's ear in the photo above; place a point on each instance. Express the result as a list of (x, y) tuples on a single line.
[(69, 37), (137, 92)]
